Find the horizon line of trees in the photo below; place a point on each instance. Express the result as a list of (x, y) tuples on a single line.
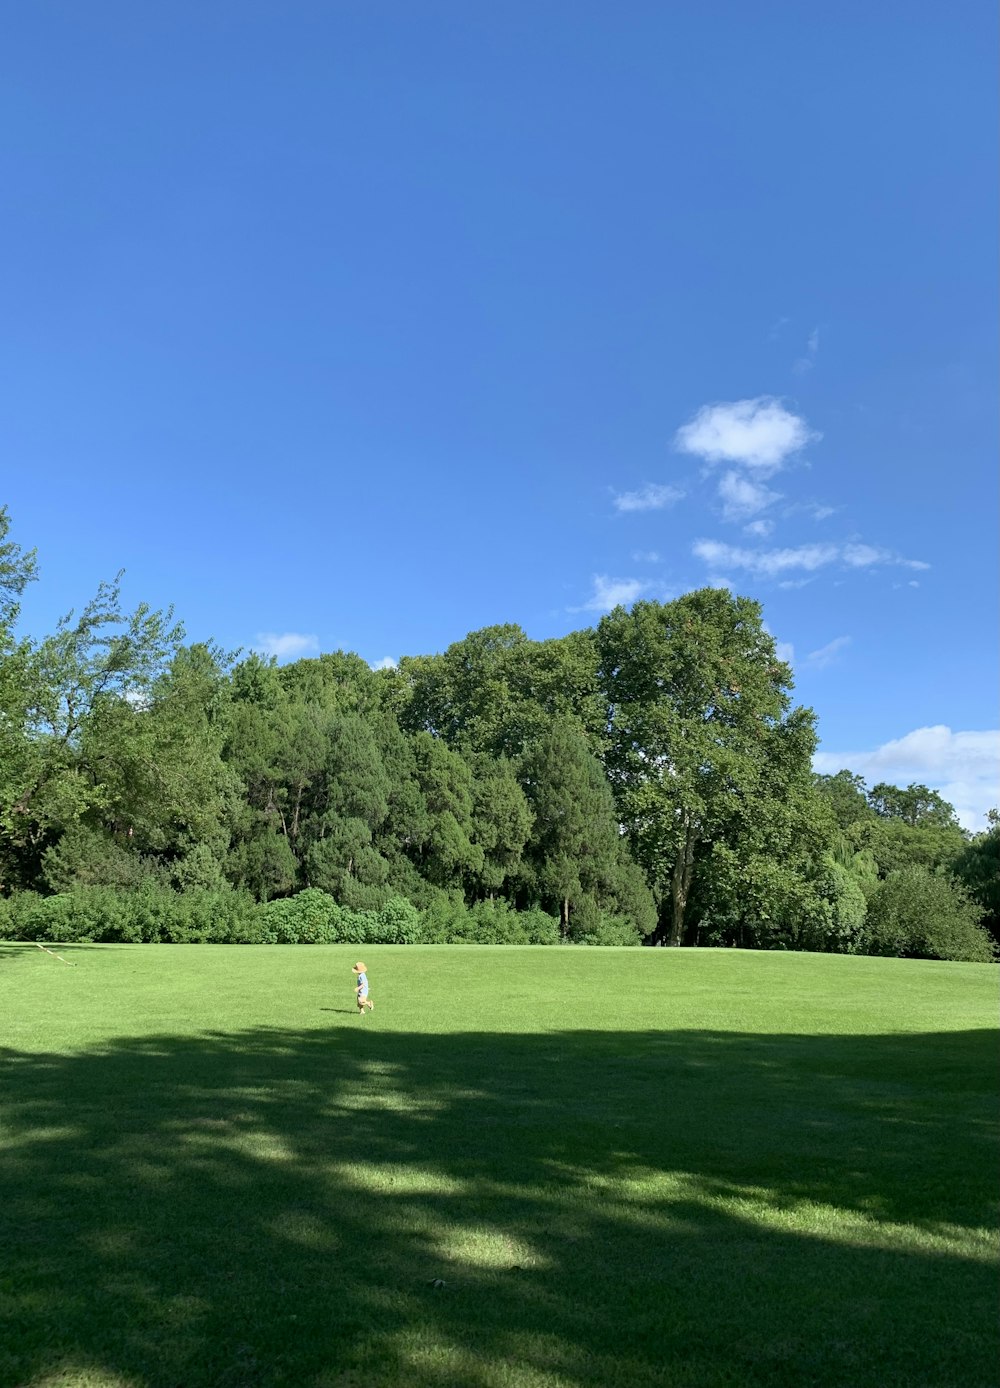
[(645, 779)]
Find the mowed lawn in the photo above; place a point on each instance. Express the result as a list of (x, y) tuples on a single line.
[(543, 1168)]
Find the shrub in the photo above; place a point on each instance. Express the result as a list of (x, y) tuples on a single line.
[(612, 930), (398, 923), (449, 921), (157, 915), (311, 917), (14, 914), (496, 923), (918, 914), (86, 915), (539, 927), (153, 913), (833, 918), (210, 916), (445, 921), (848, 908)]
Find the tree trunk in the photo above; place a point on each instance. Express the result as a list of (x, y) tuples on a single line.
[(680, 884), (564, 917), (298, 807)]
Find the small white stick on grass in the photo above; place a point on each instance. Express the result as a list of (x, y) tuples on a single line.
[(56, 956)]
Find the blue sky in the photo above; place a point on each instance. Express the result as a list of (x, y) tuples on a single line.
[(365, 325)]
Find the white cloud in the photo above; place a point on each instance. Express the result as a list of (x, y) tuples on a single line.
[(286, 645), (612, 592), (826, 655), (816, 510), (808, 359), (768, 563), (760, 528), (758, 433), (964, 767), (860, 556), (652, 497), (742, 497), (386, 663)]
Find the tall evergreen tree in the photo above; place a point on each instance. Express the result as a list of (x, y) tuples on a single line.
[(576, 858)]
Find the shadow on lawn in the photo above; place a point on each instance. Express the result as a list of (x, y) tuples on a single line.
[(18, 951), (273, 1208)]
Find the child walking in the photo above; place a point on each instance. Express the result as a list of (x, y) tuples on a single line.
[(362, 989)]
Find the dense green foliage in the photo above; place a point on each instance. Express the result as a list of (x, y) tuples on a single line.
[(648, 779), (920, 915)]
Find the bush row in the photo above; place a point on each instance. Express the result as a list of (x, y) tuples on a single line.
[(912, 913), (157, 915)]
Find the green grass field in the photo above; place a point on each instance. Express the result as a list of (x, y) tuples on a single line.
[(543, 1168)]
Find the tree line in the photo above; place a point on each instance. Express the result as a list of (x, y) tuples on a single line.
[(645, 779)]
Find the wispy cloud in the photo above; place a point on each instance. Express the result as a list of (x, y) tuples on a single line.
[(863, 556), (816, 510), (759, 528), (386, 663), (828, 654), (769, 563), (808, 358), (653, 497), (964, 767), (613, 592), (646, 556), (760, 434), (286, 645), (742, 497)]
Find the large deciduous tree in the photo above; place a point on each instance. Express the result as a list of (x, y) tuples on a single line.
[(94, 672), (702, 747)]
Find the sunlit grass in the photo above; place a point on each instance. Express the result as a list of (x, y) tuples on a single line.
[(541, 1168)]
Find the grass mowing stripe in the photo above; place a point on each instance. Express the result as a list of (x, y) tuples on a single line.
[(529, 1167)]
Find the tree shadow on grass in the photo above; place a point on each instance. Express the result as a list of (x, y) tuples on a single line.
[(18, 950), (278, 1209)]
